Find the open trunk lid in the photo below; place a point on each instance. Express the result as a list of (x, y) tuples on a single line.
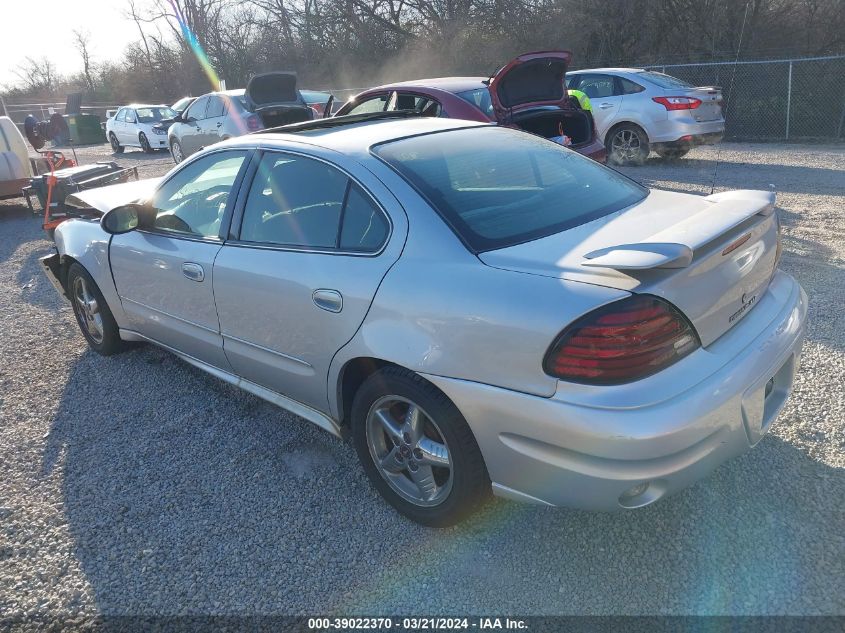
[(274, 98), (712, 257), (528, 81)]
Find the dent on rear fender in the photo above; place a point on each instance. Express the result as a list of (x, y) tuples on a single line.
[(469, 321)]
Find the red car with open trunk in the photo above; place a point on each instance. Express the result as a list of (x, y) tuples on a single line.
[(527, 93)]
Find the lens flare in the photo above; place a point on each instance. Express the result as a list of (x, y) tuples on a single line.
[(196, 47)]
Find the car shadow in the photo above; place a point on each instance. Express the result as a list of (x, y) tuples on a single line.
[(195, 498), (699, 173)]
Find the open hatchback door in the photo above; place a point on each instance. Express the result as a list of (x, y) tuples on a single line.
[(274, 98), (529, 93)]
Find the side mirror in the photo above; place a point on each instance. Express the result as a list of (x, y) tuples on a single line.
[(122, 219), (190, 119)]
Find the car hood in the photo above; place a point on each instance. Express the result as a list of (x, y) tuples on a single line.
[(105, 198), (528, 81)]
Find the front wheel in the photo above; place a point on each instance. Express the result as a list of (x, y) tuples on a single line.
[(672, 153), (117, 148), (145, 143), (92, 313), (417, 449), (627, 144), (176, 152)]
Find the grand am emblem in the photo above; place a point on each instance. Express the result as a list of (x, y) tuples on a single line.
[(746, 302)]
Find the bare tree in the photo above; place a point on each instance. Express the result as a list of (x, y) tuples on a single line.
[(38, 75), (81, 42)]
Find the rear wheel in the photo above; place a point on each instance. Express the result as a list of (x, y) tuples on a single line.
[(417, 449), (672, 153), (176, 152), (116, 147), (92, 313), (145, 143), (627, 144)]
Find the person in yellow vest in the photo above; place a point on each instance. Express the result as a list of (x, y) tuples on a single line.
[(583, 99)]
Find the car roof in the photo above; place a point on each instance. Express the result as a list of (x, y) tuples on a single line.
[(449, 84), (606, 70), (145, 105), (358, 137)]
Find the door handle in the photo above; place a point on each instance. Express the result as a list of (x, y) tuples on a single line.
[(220, 124), (327, 299), (605, 106), (193, 271)]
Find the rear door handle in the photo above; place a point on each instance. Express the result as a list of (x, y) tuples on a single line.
[(193, 271), (327, 299), (219, 123)]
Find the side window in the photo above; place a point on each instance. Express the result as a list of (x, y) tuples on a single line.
[(598, 86), (629, 87), (197, 109), (193, 201), (298, 201), (423, 105), (364, 226), (375, 104), (294, 201), (572, 81), (120, 117), (216, 107), (129, 115)]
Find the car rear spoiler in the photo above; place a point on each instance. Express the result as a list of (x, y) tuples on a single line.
[(675, 247)]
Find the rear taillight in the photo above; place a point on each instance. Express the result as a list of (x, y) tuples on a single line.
[(253, 123), (621, 342), (678, 103)]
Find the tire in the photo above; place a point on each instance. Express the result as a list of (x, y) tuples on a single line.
[(176, 152), (627, 144), (672, 153), (145, 143), (445, 494), (116, 147), (96, 322)]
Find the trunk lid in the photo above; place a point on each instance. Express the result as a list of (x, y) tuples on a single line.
[(712, 257), (274, 98), (711, 101), (528, 81)]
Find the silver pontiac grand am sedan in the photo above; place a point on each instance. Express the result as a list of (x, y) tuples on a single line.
[(475, 307)]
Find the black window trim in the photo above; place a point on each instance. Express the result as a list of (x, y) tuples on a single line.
[(246, 186), (369, 97), (220, 238)]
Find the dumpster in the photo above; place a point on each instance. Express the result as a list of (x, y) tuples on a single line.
[(85, 129)]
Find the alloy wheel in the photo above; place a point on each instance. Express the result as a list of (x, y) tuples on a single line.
[(176, 150), (114, 144), (409, 451), (626, 145), (88, 310)]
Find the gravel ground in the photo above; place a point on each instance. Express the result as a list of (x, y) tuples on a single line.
[(139, 485)]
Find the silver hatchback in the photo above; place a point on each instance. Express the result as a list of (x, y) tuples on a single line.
[(639, 111), (474, 306)]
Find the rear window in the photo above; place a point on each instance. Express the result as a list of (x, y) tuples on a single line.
[(497, 187), (664, 81), (480, 98)]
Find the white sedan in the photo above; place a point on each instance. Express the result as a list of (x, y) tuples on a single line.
[(140, 125)]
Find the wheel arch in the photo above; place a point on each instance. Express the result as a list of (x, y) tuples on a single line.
[(619, 124)]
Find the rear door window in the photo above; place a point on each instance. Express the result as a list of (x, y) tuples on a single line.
[(496, 187), (216, 107), (629, 87), (301, 202), (417, 103)]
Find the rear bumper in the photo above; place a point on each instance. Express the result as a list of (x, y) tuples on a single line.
[(675, 128), (558, 451)]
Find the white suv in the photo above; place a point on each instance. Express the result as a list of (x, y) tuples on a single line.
[(637, 111)]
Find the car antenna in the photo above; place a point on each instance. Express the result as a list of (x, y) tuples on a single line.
[(731, 93)]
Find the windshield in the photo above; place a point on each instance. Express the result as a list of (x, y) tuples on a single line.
[(183, 103), (480, 98), (664, 81), (497, 187), (151, 115)]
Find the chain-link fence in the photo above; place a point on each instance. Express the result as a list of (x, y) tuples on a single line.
[(778, 99)]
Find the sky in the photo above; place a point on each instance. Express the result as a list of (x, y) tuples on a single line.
[(44, 28)]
